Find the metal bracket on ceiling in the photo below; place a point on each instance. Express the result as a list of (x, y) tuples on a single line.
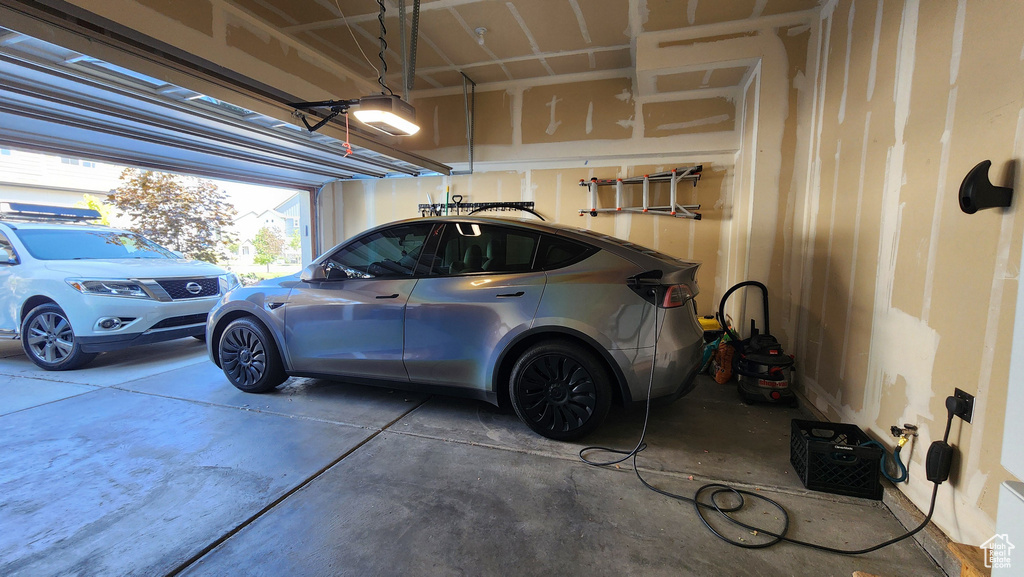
[(469, 100), (335, 106)]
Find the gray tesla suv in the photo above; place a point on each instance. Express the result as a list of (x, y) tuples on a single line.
[(557, 322)]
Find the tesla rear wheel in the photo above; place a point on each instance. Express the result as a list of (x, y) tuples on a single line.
[(560, 390), (49, 341), (249, 357)]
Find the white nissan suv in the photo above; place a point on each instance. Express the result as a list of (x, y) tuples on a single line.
[(71, 291)]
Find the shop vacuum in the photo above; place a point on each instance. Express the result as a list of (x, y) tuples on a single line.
[(763, 370)]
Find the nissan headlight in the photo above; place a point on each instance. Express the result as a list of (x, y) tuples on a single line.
[(114, 288), (228, 282)]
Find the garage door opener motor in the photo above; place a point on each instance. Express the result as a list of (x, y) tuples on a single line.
[(763, 370)]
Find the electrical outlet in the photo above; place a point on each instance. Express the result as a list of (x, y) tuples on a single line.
[(968, 412)]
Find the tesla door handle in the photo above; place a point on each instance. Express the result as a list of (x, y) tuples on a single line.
[(394, 296), (515, 294)]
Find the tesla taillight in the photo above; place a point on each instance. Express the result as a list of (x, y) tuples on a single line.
[(676, 296)]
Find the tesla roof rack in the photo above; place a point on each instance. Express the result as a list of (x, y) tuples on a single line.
[(24, 212)]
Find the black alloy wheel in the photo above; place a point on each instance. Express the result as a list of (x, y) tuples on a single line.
[(560, 390), (249, 357), (49, 341)]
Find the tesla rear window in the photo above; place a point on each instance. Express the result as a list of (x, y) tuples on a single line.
[(54, 244), (557, 252)]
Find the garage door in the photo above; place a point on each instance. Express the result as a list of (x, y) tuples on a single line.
[(63, 102)]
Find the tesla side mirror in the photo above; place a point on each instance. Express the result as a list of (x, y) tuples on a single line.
[(177, 254), (322, 272), (312, 273)]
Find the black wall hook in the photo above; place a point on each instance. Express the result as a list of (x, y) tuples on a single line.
[(978, 192)]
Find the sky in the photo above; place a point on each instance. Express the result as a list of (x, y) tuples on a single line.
[(248, 197)]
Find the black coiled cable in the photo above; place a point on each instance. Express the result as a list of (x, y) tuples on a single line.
[(381, 78)]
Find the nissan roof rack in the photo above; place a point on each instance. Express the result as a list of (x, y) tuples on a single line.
[(25, 212)]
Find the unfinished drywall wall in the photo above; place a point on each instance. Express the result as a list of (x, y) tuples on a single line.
[(768, 111), (442, 120), (561, 121), (667, 15), (903, 296), (277, 52), (600, 109), (736, 237), (197, 15), (698, 115)]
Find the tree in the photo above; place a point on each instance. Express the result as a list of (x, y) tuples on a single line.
[(97, 204), (269, 244), (183, 213)]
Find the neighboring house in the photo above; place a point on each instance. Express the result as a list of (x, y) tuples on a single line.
[(290, 209), (245, 253), (248, 224), (53, 180), (245, 228)]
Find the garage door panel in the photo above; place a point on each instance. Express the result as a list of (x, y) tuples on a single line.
[(43, 102), (72, 104), (55, 137)]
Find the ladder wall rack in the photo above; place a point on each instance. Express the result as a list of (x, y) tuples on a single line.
[(673, 177)]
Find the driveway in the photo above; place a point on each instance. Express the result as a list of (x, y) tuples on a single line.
[(148, 462)]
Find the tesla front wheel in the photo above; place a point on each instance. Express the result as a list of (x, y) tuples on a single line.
[(249, 357), (48, 340), (560, 390)]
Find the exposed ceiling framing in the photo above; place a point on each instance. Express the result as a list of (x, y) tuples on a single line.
[(525, 39)]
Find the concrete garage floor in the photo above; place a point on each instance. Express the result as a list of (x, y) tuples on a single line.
[(148, 462)]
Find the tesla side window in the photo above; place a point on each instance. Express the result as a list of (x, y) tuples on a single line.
[(556, 252), (393, 252), (469, 248), (7, 254)]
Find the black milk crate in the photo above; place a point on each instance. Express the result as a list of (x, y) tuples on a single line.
[(830, 457)]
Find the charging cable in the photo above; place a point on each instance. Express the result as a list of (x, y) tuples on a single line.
[(938, 464), (640, 445)]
